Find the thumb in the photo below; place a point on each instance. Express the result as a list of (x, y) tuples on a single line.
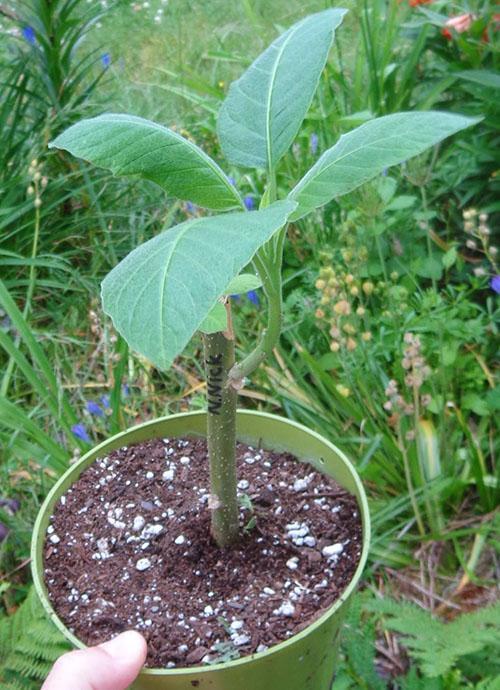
[(109, 666)]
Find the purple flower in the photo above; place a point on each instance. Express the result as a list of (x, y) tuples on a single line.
[(29, 35), (495, 284), (313, 143), (106, 60), (105, 401), (190, 207), (249, 202), (80, 432), (253, 297), (94, 408), (10, 505), (3, 532)]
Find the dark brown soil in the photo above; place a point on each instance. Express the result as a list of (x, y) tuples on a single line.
[(129, 547)]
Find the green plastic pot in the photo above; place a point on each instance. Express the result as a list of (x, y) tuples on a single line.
[(307, 661)]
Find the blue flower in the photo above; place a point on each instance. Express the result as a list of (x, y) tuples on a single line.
[(232, 180), (249, 202), (80, 432), (94, 408), (313, 143), (253, 297), (105, 401), (495, 284), (29, 34), (106, 60), (190, 207), (125, 390)]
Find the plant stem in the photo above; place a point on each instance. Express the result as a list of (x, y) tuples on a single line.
[(271, 282), (221, 436), (409, 482), (423, 195), (381, 258)]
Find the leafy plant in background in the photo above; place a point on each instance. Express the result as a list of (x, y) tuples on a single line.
[(29, 645), (444, 656), (49, 73), (180, 281), (462, 38)]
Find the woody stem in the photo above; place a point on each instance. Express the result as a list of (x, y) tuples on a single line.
[(221, 437)]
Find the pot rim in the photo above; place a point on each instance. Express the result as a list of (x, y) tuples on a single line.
[(53, 495)]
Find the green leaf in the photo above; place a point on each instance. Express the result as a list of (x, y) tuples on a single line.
[(450, 257), (400, 203), (355, 119), (426, 267), (129, 145), (493, 399), (386, 188), (449, 353), (478, 405), (159, 295), (363, 153), (243, 283), (428, 449), (481, 76), (216, 320), (265, 107)]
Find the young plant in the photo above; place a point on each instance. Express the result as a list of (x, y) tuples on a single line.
[(180, 282)]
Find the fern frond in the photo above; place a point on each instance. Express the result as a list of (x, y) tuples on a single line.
[(358, 645), (437, 646), (29, 645)]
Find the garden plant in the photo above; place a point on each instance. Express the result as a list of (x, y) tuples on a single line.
[(365, 247), (181, 281)]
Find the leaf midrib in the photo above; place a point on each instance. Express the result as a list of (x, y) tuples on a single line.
[(141, 122), (324, 168), (270, 94)]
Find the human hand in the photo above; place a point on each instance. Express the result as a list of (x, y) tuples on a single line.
[(109, 666)]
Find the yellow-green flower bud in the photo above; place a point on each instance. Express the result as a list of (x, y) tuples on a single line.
[(343, 390)]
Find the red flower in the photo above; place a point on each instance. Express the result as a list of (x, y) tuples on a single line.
[(416, 3)]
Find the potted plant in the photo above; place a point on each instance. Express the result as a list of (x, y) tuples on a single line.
[(179, 283)]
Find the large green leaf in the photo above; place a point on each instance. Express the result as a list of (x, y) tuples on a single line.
[(363, 153), (129, 145), (162, 291), (265, 107)]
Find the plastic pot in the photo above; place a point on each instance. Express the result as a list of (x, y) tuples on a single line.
[(307, 661)]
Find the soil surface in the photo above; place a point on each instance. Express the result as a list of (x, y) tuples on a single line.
[(129, 546)]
